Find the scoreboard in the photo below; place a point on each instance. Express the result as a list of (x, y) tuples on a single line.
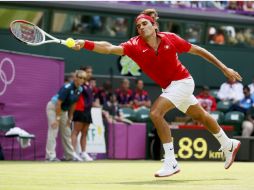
[(194, 142)]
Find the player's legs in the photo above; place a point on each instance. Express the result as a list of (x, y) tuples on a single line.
[(228, 146), (173, 96), (197, 113), (160, 107), (158, 110)]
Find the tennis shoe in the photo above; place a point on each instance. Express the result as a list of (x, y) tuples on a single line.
[(230, 152), (169, 168)]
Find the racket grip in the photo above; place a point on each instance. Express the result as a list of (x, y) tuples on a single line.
[(63, 42)]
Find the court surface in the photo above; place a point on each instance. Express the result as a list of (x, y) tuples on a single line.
[(123, 175)]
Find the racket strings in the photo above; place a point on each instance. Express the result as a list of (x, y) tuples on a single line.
[(27, 33)]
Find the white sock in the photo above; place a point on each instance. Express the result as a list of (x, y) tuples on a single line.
[(222, 138), (169, 151)]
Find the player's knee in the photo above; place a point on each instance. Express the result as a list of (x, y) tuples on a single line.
[(154, 115)]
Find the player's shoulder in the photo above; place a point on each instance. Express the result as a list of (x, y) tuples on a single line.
[(167, 34), (134, 40)]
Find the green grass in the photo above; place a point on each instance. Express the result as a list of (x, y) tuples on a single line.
[(123, 175)]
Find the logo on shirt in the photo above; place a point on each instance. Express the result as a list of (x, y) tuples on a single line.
[(144, 50), (166, 46)]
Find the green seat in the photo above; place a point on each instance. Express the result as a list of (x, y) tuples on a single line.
[(142, 115), (6, 123), (128, 113), (218, 116), (234, 118), (224, 105), (214, 93)]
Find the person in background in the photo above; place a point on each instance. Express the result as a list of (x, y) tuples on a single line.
[(95, 90), (231, 90), (244, 104), (248, 123), (219, 37), (111, 111), (251, 86), (69, 77), (157, 53), (59, 113), (140, 96), (207, 101), (124, 94), (105, 92), (82, 116)]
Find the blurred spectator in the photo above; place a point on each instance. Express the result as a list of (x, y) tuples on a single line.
[(248, 123), (59, 114), (219, 37), (248, 6), (244, 104), (95, 91), (124, 94), (211, 33), (251, 86), (232, 5), (69, 77), (104, 92), (111, 110), (140, 96), (82, 116), (207, 101), (231, 90)]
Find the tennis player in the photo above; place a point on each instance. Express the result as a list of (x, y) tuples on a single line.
[(157, 55)]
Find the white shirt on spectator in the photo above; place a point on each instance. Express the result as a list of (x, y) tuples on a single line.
[(232, 91), (251, 86)]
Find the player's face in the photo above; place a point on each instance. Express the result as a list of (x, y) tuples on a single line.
[(145, 27)]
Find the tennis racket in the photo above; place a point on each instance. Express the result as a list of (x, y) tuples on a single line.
[(31, 34)]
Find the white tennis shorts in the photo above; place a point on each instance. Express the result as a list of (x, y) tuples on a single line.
[(180, 93)]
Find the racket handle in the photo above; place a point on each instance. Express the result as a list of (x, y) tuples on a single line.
[(63, 42)]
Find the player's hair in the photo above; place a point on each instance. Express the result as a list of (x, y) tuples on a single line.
[(154, 14)]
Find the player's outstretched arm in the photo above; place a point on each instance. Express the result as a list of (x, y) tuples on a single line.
[(99, 47), (228, 72)]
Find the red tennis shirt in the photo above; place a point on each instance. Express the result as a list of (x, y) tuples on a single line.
[(162, 66)]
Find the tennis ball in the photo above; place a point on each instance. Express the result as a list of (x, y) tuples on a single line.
[(70, 42)]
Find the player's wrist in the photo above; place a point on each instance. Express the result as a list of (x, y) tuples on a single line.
[(89, 45)]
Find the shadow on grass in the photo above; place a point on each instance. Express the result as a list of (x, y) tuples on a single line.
[(164, 181), (170, 181)]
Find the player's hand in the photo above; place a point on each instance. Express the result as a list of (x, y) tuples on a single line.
[(79, 44), (55, 124), (232, 74)]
